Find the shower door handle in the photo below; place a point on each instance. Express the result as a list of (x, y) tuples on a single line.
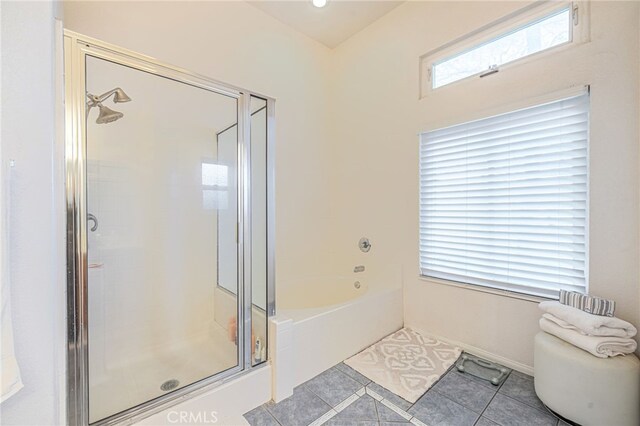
[(95, 222)]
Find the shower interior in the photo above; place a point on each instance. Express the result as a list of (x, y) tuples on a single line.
[(175, 224)]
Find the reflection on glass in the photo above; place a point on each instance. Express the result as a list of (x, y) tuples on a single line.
[(215, 189), (214, 174), (164, 193)]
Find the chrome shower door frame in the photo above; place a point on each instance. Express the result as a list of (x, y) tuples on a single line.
[(76, 48)]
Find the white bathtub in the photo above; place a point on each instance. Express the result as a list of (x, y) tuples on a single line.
[(330, 320)]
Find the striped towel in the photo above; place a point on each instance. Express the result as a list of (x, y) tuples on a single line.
[(591, 304)]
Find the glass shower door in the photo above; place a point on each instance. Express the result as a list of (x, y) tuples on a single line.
[(162, 197)]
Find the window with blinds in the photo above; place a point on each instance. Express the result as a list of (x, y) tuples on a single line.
[(503, 200)]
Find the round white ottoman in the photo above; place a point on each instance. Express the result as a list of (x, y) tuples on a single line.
[(586, 389)]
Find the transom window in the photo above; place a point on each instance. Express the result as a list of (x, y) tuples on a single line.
[(503, 200), (531, 31)]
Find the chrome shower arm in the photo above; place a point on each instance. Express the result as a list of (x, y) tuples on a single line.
[(121, 96)]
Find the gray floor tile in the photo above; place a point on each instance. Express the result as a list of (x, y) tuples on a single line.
[(260, 417), (465, 392), (435, 409), (333, 422), (363, 409), (395, 423), (333, 386), (509, 412), (353, 373), (483, 421), (386, 414), (392, 397), (300, 409), (520, 386)]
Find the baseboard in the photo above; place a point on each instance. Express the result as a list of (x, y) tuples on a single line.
[(514, 365)]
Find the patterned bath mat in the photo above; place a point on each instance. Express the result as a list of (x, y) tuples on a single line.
[(405, 362)]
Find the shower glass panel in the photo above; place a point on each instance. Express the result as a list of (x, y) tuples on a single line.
[(258, 244), (258, 158), (162, 195)]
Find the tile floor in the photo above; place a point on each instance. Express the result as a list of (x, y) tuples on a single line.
[(341, 396)]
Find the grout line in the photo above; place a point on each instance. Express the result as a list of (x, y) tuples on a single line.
[(375, 407), (274, 418), (416, 421), (523, 403), (457, 403), (374, 394), (487, 406), (324, 418), (396, 409), (347, 402), (304, 385), (448, 370), (268, 412), (546, 409)]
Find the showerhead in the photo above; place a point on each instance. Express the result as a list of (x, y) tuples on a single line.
[(107, 115), (120, 96)]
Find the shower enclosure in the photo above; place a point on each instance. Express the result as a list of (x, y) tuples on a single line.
[(169, 231)]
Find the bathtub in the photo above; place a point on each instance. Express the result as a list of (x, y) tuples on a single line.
[(327, 320)]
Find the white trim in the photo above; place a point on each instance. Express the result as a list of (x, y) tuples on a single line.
[(501, 27), (556, 95), (59, 221), (482, 353), (483, 289)]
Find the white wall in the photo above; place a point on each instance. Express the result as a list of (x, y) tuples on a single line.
[(34, 237), (377, 119), (232, 42)]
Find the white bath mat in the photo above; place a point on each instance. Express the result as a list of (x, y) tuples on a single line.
[(405, 362)]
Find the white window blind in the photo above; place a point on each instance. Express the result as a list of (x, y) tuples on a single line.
[(503, 200)]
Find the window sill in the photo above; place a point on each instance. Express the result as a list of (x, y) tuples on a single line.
[(489, 290)]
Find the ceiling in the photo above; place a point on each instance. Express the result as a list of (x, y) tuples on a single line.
[(330, 25)]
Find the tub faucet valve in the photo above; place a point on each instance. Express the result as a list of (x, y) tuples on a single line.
[(364, 244)]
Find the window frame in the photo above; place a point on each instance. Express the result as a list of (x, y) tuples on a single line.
[(480, 115), (513, 22)]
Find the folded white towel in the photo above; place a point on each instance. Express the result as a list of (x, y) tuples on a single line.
[(601, 331), (602, 347), (589, 324)]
